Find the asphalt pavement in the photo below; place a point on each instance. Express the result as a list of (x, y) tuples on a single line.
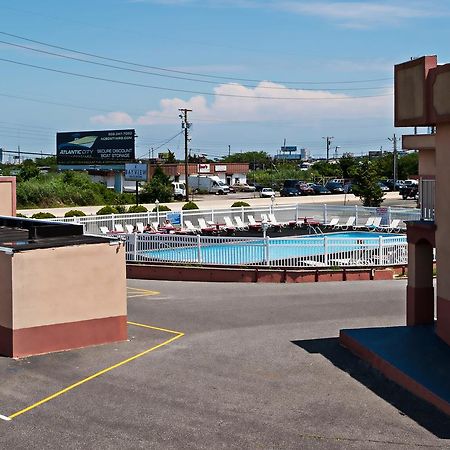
[(227, 366)]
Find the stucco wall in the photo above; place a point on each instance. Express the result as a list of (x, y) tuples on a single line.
[(68, 284), (443, 207), (7, 196), (5, 290), (427, 162)]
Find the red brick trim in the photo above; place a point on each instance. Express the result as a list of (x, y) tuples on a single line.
[(62, 336), (252, 275), (392, 372)]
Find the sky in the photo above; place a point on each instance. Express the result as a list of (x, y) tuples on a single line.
[(256, 73)]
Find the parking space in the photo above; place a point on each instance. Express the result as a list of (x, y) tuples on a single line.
[(258, 366)]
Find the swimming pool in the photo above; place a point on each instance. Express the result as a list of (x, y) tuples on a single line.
[(345, 248)]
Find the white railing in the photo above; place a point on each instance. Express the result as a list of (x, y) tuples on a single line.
[(284, 213), (317, 251), (427, 193)]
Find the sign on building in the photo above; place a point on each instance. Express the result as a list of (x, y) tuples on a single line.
[(136, 172), (95, 147), (221, 168), (204, 168)]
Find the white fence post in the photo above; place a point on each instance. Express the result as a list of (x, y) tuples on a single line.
[(113, 225), (325, 213), (266, 250), (380, 251), (199, 249), (135, 244)]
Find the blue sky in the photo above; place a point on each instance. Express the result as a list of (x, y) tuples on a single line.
[(260, 71)]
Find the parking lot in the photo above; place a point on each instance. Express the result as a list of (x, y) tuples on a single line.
[(212, 365)]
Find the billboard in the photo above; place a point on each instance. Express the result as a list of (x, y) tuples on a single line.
[(95, 147), (136, 172)]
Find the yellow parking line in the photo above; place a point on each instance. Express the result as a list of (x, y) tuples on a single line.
[(102, 372), (141, 292)]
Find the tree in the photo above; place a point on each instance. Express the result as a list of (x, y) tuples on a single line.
[(158, 188), (365, 183), (347, 164)]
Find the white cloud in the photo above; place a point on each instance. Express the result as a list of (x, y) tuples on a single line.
[(113, 118), (302, 106)]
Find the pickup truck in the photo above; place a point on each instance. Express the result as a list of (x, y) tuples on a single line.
[(409, 191)]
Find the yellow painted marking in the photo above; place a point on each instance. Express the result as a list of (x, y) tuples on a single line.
[(102, 372), (141, 292)]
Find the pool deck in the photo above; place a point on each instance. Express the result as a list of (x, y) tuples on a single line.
[(413, 357)]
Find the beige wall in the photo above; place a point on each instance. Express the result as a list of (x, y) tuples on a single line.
[(7, 196), (443, 208), (427, 162), (5, 290), (68, 284)]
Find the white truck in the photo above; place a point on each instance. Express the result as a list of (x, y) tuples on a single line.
[(209, 183), (179, 190)]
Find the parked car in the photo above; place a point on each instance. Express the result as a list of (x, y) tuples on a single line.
[(383, 187), (390, 184), (243, 187), (267, 192), (319, 189), (305, 189), (334, 187), (257, 186), (409, 191), (289, 192)]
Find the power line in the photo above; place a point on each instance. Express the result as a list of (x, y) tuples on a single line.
[(163, 69), (179, 77), (164, 143), (215, 94)]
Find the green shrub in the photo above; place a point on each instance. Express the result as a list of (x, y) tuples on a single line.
[(137, 209), (161, 208), (189, 205), (43, 215), (108, 209), (21, 215), (239, 204), (74, 213), (121, 209)]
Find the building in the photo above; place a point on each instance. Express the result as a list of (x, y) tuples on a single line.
[(417, 356)]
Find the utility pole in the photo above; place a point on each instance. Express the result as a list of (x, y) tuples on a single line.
[(328, 138), (229, 150), (185, 124), (395, 159)]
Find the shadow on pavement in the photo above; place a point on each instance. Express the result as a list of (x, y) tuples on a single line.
[(408, 404)]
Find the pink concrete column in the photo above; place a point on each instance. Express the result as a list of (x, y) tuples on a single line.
[(420, 291)]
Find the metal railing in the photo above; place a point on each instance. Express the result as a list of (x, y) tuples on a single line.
[(284, 213), (427, 194), (317, 251)]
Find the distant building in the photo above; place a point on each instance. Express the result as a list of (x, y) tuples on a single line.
[(305, 154)]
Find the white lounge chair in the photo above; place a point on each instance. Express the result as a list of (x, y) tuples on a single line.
[(104, 230), (376, 224), (347, 225), (118, 227), (252, 223), (190, 228), (393, 226), (367, 225), (155, 225), (274, 222), (332, 223), (240, 224), (140, 227), (205, 228), (228, 225), (129, 228)]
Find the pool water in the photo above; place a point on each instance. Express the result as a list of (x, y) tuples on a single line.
[(256, 251)]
